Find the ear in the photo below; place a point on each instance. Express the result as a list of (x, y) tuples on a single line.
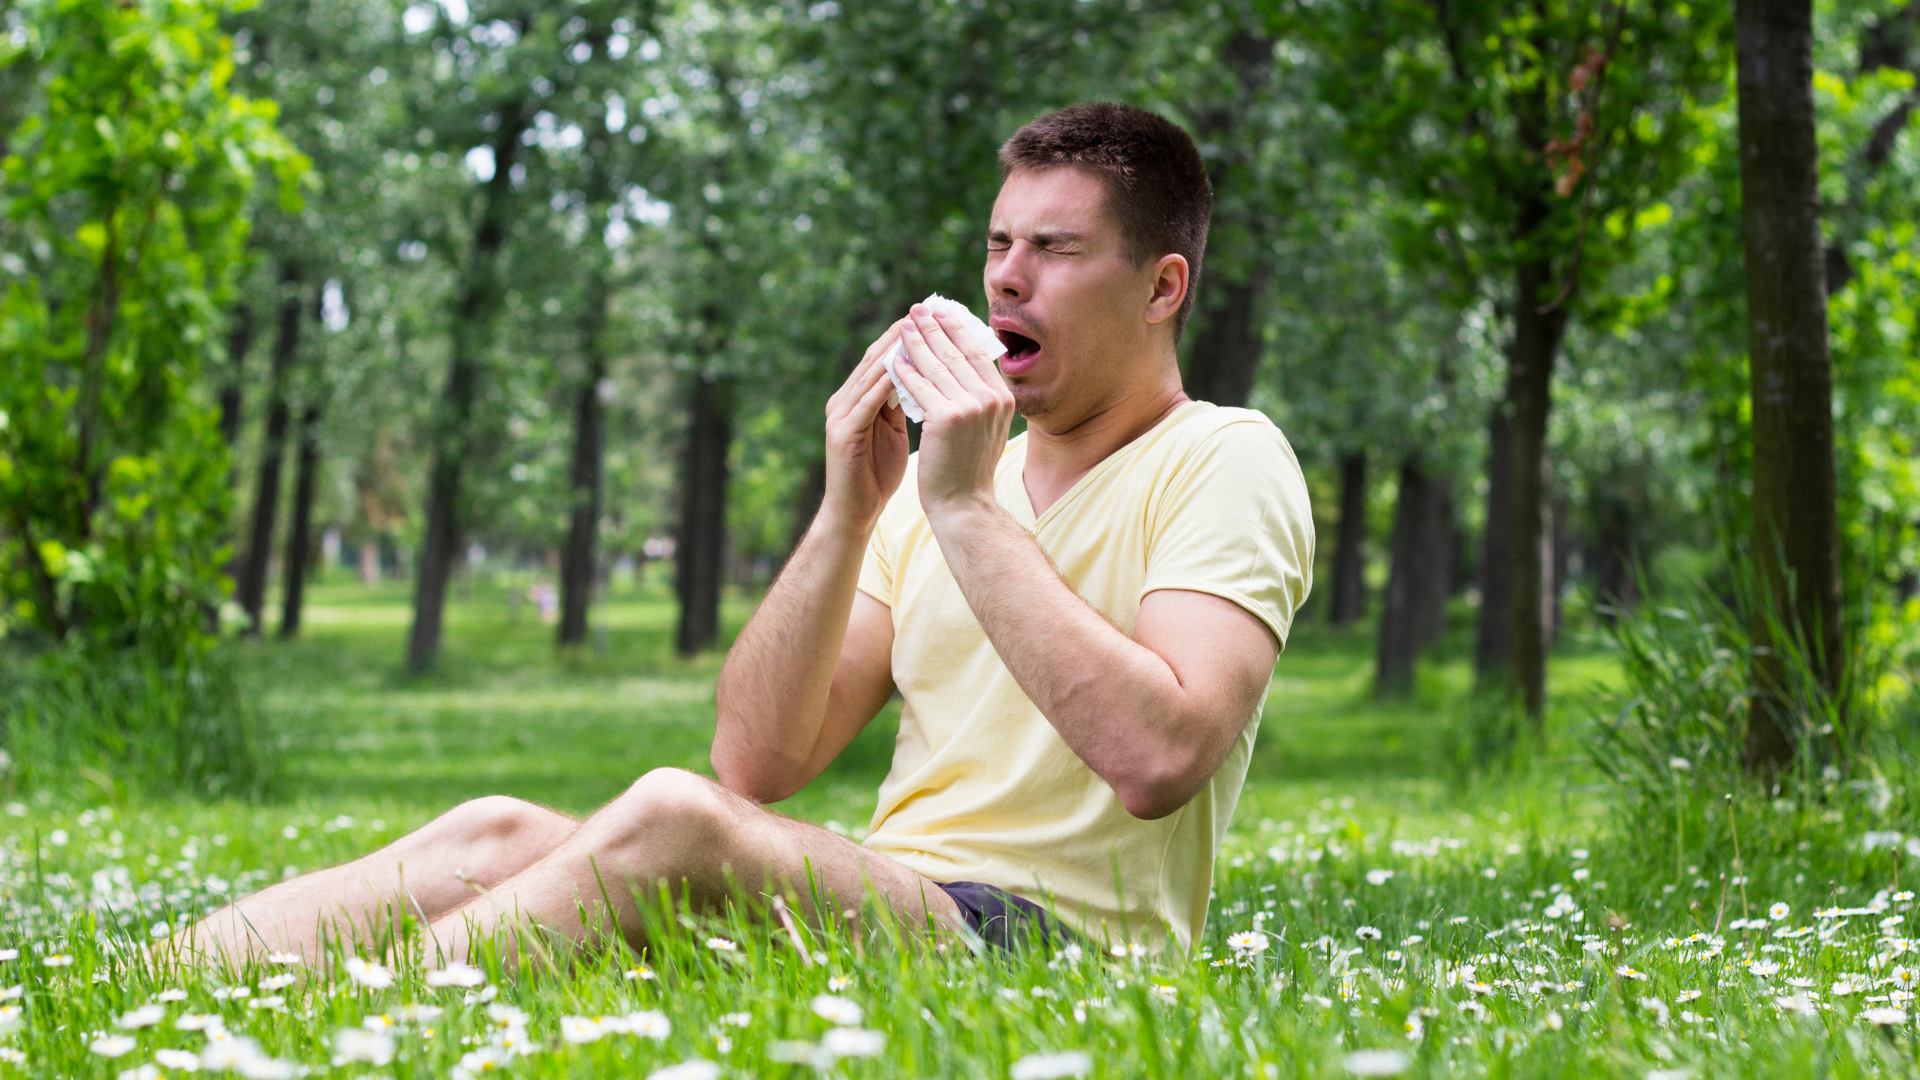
[(1170, 280)]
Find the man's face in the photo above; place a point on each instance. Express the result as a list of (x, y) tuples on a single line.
[(1064, 297)]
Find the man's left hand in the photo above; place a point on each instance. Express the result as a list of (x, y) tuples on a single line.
[(969, 411)]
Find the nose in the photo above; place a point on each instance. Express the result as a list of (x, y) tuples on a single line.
[(1007, 274)]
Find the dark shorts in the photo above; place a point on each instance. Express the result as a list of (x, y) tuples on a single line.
[(1004, 920)]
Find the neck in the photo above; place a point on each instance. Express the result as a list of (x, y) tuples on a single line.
[(1058, 457)]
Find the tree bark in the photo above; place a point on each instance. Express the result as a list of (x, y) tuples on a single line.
[(1530, 358), (252, 586), (1225, 354), (1410, 582), (1493, 628), (700, 548), (1226, 348), (300, 539), (474, 313), (1434, 559), (1796, 545), (1350, 543), (1615, 555), (578, 556)]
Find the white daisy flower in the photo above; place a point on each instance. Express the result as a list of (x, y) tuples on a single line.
[(1376, 1063), (112, 1046), (844, 1042), (1248, 942), (183, 1060), (370, 975), (838, 1010), (456, 974), (697, 1069), (1071, 1063), (650, 1024), (359, 1044), (144, 1016)]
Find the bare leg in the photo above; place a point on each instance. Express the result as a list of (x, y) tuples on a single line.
[(489, 840), (677, 827)]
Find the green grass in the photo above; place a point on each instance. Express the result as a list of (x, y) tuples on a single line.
[(1473, 947)]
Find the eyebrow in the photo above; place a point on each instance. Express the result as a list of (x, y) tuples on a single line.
[(1045, 237)]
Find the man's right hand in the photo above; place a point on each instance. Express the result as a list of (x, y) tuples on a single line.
[(866, 442)]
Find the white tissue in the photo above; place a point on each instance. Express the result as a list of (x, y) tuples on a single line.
[(953, 309)]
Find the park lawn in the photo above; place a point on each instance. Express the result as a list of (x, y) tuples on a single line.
[(1378, 908)]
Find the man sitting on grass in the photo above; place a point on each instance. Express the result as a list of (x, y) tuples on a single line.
[(1082, 622)]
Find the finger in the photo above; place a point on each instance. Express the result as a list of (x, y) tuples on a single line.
[(868, 371), (932, 367), (951, 345), (882, 344), (924, 390), (977, 361), (861, 408)]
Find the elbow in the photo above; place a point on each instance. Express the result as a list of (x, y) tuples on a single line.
[(738, 776), (1155, 792)]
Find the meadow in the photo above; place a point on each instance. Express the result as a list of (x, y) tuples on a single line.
[(1381, 908)]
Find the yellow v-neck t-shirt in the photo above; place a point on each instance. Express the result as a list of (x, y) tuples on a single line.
[(982, 787)]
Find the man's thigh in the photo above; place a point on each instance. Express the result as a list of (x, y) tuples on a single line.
[(768, 850)]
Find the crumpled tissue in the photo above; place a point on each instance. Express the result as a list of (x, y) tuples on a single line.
[(952, 309)]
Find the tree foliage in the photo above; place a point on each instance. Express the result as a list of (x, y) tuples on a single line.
[(124, 227)]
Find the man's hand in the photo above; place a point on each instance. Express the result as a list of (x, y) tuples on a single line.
[(866, 442), (969, 412)]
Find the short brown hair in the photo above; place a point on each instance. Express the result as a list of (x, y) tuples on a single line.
[(1157, 187)]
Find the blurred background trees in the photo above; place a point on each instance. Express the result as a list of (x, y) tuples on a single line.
[(439, 291)]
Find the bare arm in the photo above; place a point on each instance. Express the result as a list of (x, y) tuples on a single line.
[(1153, 715), (814, 664)]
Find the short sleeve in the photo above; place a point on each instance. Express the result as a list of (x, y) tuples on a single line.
[(1233, 520), (876, 568), (879, 567)]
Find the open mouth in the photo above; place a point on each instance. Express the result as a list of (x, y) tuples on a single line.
[(1019, 346)]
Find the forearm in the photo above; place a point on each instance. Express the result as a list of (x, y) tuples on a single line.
[(1116, 703), (772, 697)]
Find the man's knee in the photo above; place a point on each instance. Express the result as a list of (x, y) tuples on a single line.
[(500, 822), (671, 814)]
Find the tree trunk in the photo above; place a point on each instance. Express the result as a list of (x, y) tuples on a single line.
[(1796, 546), (577, 557), (1530, 358), (1350, 544), (475, 311), (1433, 563), (700, 548), (1615, 557), (300, 540), (1493, 628), (252, 586), (1225, 353), (1399, 634)]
